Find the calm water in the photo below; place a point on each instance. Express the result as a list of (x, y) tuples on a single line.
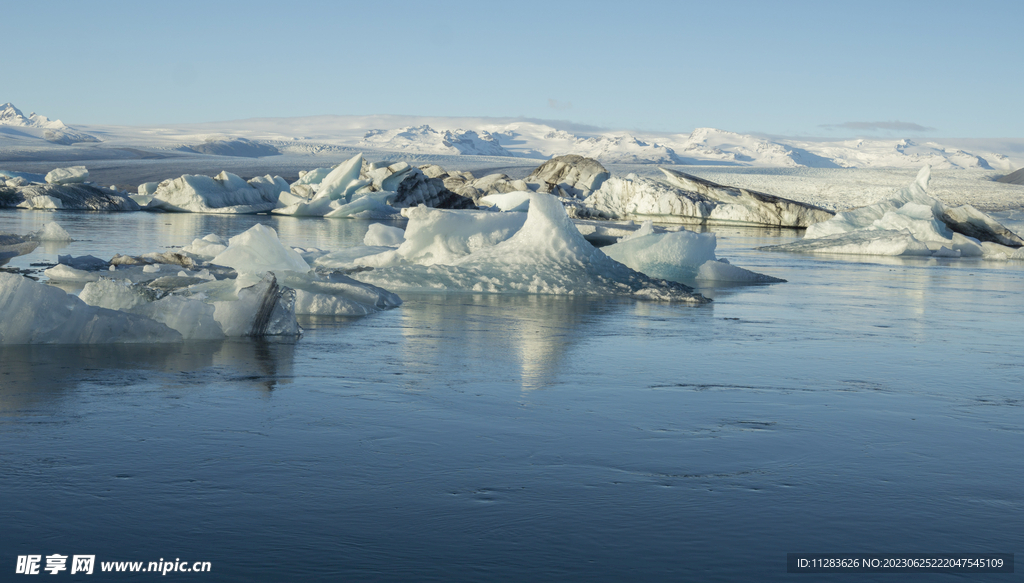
[(867, 405)]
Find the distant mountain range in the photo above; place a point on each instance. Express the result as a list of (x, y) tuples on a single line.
[(538, 139), (14, 125)]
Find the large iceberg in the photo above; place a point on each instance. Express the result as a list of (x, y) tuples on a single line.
[(749, 206), (547, 255), (225, 193), (357, 189), (910, 223)]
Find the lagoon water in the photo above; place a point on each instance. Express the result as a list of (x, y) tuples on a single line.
[(867, 405)]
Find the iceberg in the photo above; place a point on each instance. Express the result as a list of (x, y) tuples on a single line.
[(68, 197), (72, 175), (910, 223), (547, 255), (258, 250), (383, 235), (52, 232), (749, 206), (225, 193), (514, 202), (35, 313), (681, 256)]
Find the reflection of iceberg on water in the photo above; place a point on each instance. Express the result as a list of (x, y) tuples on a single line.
[(911, 223)]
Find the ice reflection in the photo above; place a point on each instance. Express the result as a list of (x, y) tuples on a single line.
[(137, 233), (33, 376), (529, 336)]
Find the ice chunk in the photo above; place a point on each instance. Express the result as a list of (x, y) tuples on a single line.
[(334, 186), (258, 250), (546, 256), (373, 205), (84, 262), (52, 232), (518, 201), (74, 197), (383, 235), (673, 256), (148, 188), (35, 313), (315, 176), (346, 259), (72, 175), (66, 273), (749, 206), (191, 318), (317, 207), (444, 236), (206, 248), (41, 202), (225, 193)]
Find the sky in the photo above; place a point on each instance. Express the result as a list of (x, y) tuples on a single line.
[(823, 69)]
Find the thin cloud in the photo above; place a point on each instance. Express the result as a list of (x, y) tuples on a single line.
[(874, 126), (559, 105)]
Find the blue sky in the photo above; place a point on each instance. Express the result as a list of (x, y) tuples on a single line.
[(891, 68)]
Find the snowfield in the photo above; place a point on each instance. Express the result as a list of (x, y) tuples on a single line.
[(515, 138)]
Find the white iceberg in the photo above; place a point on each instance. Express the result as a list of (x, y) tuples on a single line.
[(225, 193), (383, 235), (258, 250), (35, 313), (547, 255), (681, 256), (518, 201), (52, 232)]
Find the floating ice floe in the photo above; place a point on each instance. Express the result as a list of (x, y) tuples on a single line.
[(473, 252), (911, 223)]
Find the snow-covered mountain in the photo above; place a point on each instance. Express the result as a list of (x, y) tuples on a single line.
[(14, 125), (426, 140), (512, 137)]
